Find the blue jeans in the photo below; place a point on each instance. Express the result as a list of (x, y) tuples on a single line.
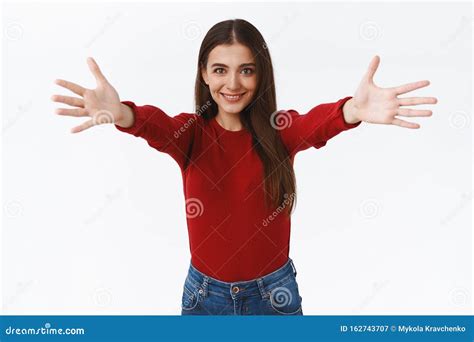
[(273, 294)]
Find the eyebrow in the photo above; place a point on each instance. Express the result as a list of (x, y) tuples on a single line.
[(223, 65)]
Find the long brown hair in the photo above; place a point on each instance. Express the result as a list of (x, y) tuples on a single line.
[(256, 117)]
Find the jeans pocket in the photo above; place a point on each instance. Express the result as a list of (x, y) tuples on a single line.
[(285, 299), (191, 294)]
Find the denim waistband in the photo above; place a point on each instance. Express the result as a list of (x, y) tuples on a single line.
[(259, 286)]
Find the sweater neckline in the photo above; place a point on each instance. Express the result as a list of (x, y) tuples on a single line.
[(222, 130)]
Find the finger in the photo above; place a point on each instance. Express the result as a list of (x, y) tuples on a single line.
[(405, 124), (75, 88), (374, 64), (412, 112), (82, 127), (72, 112), (411, 101), (69, 100), (411, 86), (94, 68)]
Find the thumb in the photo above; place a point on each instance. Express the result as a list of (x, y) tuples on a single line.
[(374, 64), (94, 68)]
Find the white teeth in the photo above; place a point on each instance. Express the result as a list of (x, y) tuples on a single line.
[(232, 97)]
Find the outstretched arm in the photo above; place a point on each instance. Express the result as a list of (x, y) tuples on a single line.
[(378, 105), (102, 105)]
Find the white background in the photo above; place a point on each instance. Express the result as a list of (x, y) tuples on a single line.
[(95, 223)]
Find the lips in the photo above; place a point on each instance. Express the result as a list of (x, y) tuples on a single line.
[(232, 97)]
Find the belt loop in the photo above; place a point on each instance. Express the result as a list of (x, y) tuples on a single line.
[(261, 287), (293, 266), (204, 285)]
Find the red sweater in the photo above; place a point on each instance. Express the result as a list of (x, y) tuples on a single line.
[(232, 236)]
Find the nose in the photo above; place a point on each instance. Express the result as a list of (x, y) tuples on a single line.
[(233, 83)]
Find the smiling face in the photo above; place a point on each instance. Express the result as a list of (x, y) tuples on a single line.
[(231, 76)]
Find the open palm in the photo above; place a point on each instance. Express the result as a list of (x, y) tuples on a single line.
[(101, 104), (380, 105)]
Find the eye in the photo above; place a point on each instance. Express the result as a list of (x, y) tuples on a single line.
[(217, 72), (250, 71)]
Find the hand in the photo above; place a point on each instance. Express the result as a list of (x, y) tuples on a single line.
[(380, 105), (102, 104)]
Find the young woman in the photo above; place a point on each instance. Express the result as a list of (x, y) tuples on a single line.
[(236, 156)]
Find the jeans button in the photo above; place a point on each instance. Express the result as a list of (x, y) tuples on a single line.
[(235, 289)]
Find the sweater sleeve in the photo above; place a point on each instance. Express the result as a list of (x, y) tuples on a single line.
[(171, 135), (315, 128)]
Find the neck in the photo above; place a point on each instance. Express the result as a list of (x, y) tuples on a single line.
[(230, 122)]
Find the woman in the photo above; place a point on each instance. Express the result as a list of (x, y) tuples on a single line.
[(236, 156)]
